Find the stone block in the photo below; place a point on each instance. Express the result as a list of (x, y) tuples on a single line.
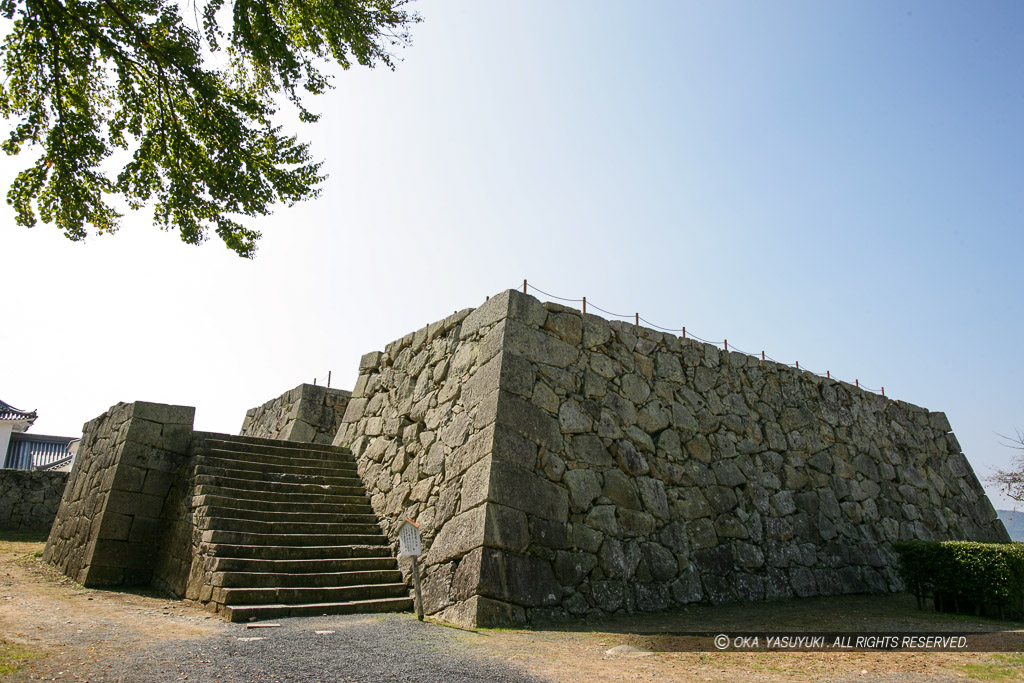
[(135, 504), (128, 478), (164, 414), (634, 522), (506, 576), (97, 576), (299, 431), (458, 536), (529, 420), (483, 612), (651, 597), (177, 437), (146, 432), (517, 375), (589, 449), (494, 309), (482, 383), (146, 530), (116, 527), (523, 490), (584, 486), (369, 362), (157, 483), (583, 537), (122, 554), (548, 534), (512, 446), (505, 528), (537, 346), (609, 595)]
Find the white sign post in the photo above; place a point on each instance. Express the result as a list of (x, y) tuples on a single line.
[(409, 544)]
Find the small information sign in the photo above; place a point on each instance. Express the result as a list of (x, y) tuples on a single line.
[(409, 538), (409, 544)]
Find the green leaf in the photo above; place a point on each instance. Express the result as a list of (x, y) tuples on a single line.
[(84, 79)]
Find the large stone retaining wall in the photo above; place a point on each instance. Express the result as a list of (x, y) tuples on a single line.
[(111, 518), (29, 498), (561, 463), (422, 414), (307, 413)]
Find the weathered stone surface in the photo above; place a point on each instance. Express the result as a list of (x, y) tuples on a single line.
[(653, 470), (29, 499), (584, 487), (460, 535), (307, 413), (530, 421), (621, 489), (109, 523), (517, 488), (588, 448), (538, 346), (520, 579), (573, 567)]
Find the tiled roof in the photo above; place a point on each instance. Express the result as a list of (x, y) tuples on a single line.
[(9, 412)]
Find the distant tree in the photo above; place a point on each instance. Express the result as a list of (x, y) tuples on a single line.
[(189, 101), (1011, 481)]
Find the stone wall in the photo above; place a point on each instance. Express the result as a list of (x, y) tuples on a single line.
[(29, 499), (560, 463), (422, 414), (307, 413), (111, 516)]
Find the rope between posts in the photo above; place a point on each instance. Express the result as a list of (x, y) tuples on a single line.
[(686, 334)]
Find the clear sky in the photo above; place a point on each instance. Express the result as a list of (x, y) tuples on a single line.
[(839, 184)]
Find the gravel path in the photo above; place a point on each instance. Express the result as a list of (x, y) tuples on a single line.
[(393, 647)]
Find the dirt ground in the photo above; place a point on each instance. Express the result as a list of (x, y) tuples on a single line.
[(53, 629)]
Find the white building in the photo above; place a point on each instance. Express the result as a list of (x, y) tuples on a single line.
[(23, 451)]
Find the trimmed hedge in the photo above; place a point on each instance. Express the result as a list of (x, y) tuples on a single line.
[(964, 575)]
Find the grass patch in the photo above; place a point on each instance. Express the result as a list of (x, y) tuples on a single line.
[(1005, 668), (13, 657)]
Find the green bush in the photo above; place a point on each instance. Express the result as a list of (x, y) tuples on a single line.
[(964, 573)]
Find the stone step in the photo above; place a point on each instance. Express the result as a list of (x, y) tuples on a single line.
[(310, 580), (248, 444), (294, 552), (277, 487), (283, 459), (359, 506), (309, 499), (320, 529), (206, 469), (232, 460), (215, 536), (366, 516), (323, 566), (260, 441), (259, 612), (284, 596)]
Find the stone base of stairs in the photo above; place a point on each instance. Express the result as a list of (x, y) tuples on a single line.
[(285, 529)]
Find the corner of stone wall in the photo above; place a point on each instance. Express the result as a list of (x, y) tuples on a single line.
[(421, 425), (110, 518)]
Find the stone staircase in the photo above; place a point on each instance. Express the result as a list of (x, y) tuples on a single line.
[(287, 530)]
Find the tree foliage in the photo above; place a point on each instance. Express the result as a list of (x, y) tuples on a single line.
[(1011, 481), (130, 98)]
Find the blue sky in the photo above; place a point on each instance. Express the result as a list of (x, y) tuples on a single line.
[(836, 183)]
